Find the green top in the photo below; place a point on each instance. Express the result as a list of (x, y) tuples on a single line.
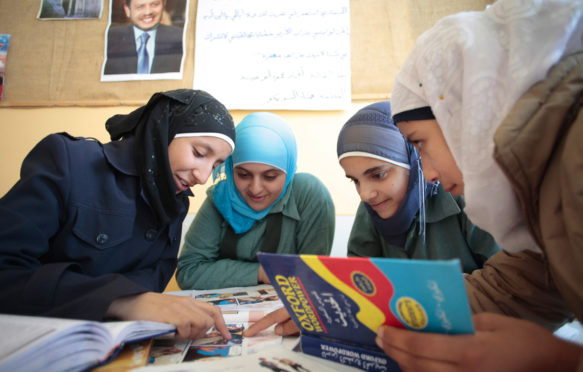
[(307, 228), (448, 234)]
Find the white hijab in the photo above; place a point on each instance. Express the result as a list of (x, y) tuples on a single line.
[(471, 68)]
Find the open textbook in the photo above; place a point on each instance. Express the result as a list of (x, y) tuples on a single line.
[(277, 359), (54, 344), (240, 306), (259, 298), (338, 303)]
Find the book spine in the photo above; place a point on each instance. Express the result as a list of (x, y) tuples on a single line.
[(365, 359)]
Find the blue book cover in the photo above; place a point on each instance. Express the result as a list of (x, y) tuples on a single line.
[(346, 299)]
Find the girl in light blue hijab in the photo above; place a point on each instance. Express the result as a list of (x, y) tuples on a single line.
[(258, 204), (263, 138)]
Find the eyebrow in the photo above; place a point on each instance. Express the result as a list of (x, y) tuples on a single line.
[(210, 150), (409, 135), (370, 170), (265, 171), (377, 168)]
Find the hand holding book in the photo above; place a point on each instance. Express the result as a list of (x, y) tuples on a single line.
[(338, 304)]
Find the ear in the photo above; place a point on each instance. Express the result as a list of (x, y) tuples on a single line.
[(126, 10)]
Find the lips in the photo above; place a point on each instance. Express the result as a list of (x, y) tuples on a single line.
[(378, 205), (181, 185), (256, 199)]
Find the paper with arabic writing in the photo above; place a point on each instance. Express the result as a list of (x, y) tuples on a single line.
[(274, 54)]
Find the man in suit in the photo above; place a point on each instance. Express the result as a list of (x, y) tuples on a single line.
[(145, 46)]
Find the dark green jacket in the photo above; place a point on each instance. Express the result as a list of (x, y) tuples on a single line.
[(449, 234), (307, 228)]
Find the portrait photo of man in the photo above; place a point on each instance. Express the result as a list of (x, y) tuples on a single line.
[(147, 39)]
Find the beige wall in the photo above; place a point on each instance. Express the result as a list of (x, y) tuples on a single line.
[(316, 134)]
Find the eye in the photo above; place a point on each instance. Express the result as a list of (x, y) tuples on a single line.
[(242, 174), (353, 180), (379, 175), (197, 153)]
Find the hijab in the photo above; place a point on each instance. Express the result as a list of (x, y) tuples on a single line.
[(470, 69), (176, 113), (265, 138), (372, 133)]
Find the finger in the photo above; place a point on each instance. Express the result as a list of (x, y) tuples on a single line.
[(286, 328), (277, 316), (411, 363), (434, 346), (201, 327), (221, 326), (217, 318)]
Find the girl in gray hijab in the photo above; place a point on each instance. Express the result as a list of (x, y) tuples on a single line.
[(401, 215)]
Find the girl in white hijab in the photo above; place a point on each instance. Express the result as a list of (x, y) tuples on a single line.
[(459, 83)]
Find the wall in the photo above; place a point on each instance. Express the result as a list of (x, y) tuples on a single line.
[(316, 134)]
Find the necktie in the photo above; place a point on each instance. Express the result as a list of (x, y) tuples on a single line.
[(143, 58)]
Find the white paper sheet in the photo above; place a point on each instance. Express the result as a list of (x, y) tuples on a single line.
[(274, 54)]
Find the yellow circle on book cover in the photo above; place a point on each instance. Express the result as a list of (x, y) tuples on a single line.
[(411, 313), (363, 283)]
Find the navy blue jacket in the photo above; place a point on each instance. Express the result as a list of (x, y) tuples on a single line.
[(76, 231)]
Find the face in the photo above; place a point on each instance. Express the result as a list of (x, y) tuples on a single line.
[(145, 14), (192, 159), (380, 184), (436, 158), (260, 185)]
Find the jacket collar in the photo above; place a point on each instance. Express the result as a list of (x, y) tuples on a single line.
[(442, 205), (121, 155), (287, 205)]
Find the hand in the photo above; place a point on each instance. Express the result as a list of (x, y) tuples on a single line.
[(261, 276), (192, 318), (500, 343), (285, 326)]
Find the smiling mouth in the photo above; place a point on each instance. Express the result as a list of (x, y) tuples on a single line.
[(182, 184), (256, 198), (378, 205)]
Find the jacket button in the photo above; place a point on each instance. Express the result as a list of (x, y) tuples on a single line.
[(102, 238), (151, 234)]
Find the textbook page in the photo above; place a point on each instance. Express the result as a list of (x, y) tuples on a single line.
[(34, 343)]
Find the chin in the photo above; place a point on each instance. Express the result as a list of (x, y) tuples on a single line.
[(385, 215)]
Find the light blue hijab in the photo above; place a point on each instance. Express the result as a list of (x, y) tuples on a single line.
[(261, 137)]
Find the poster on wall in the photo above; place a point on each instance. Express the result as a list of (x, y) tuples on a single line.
[(145, 40), (70, 9), (4, 39), (274, 54)]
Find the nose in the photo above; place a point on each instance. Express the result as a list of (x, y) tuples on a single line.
[(202, 174), (366, 192), (429, 172), (255, 185)]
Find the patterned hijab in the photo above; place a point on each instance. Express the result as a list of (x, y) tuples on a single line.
[(372, 133), (176, 113), (471, 68), (262, 137)]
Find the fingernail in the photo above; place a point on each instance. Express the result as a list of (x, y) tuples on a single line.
[(379, 342)]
